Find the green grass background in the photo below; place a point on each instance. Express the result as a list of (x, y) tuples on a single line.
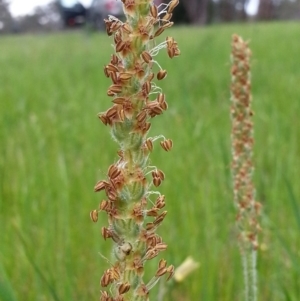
[(54, 149)]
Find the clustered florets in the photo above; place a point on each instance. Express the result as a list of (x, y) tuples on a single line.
[(136, 99), (242, 145)]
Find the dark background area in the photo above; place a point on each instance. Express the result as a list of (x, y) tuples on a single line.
[(55, 17)]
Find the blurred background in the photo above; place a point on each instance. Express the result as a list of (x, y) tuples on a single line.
[(18, 16), (53, 148)]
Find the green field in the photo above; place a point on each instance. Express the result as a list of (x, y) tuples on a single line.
[(54, 149)]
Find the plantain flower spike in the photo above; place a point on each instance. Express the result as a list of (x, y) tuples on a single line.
[(242, 167), (133, 208)]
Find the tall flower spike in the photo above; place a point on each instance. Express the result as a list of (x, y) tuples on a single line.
[(242, 167), (133, 217)]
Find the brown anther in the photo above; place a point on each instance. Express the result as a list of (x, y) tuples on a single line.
[(114, 59), (124, 76), (108, 25), (120, 45), (146, 127), (167, 17), (115, 25), (150, 77), (160, 174), (154, 11), (156, 181), (161, 246), (119, 100), (162, 263), (147, 58), (170, 41), (100, 185), (104, 296), (148, 236), (141, 117), (152, 212), (126, 49), (115, 89), (121, 115), (103, 118), (167, 144), (161, 74), (149, 144), (173, 52), (147, 87), (149, 226), (111, 68), (114, 272), (161, 98), (170, 270), (151, 104), (158, 239), (124, 288), (151, 254), (111, 112), (164, 105), (151, 241), (167, 25), (106, 233), (172, 47), (110, 93), (160, 272), (114, 77), (106, 71), (117, 37), (105, 279), (103, 205), (160, 202), (172, 5), (113, 171), (117, 184), (94, 215), (158, 32), (160, 218), (155, 110), (111, 194), (127, 28)]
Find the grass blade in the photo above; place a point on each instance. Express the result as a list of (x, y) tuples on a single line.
[(6, 290), (293, 200), (287, 295), (38, 271)]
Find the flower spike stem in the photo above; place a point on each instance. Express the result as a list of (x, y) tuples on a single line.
[(133, 213), (242, 167)]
